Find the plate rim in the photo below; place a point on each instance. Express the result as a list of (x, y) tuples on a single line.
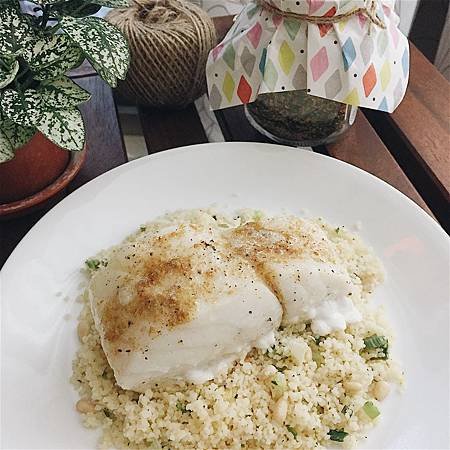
[(437, 235), (217, 145)]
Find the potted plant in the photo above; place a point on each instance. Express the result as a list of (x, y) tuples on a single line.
[(39, 117)]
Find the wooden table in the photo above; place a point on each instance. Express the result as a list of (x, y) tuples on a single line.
[(409, 149)]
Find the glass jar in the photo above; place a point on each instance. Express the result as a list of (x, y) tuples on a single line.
[(299, 119)]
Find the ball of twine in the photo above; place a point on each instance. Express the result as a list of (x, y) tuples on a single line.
[(169, 43)]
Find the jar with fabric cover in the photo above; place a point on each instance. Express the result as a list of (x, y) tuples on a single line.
[(303, 67)]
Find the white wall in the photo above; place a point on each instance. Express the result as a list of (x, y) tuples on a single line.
[(406, 9)]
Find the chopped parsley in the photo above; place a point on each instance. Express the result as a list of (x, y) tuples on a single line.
[(292, 430), (316, 353), (375, 342), (274, 382), (337, 435), (258, 216), (337, 232), (181, 407), (108, 413), (142, 227), (371, 410), (319, 339), (273, 351), (93, 264)]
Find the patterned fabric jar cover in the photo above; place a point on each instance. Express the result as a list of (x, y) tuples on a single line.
[(352, 61)]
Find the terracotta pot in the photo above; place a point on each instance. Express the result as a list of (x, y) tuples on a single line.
[(35, 165), (39, 170)]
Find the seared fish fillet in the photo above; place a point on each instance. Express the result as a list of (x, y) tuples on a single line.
[(295, 259), (179, 305)]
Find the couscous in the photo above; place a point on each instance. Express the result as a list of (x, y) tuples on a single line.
[(306, 389)]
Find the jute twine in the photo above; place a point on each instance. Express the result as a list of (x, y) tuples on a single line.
[(368, 11), (169, 43)]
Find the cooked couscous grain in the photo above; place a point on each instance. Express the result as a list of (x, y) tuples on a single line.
[(300, 394)]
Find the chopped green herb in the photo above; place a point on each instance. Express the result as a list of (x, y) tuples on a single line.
[(258, 215), (274, 382), (318, 339), (337, 435), (181, 407), (93, 264), (273, 351), (316, 353), (377, 342), (281, 369), (108, 413), (293, 431), (371, 410), (142, 227), (337, 230)]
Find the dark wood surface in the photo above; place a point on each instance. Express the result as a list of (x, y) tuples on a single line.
[(222, 25), (363, 148), (105, 146), (408, 149), (418, 134), (105, 151), (169, 129)]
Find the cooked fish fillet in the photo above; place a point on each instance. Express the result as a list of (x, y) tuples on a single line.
[(179, 305), (184, 301), (295, 258)]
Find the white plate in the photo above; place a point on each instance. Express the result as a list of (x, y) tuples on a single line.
[(38, 326)]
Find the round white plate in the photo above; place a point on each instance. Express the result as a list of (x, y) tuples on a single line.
[(38, 335)]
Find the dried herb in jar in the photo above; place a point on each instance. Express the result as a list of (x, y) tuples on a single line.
[(299, 117)]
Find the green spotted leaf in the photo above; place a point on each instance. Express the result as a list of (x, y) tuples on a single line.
[(103, 44), (16, 33), (22, 108), (17, 134), (53, 56), (6, 149), (63, 94), (8, 70), (63, 127), (12, 136)]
